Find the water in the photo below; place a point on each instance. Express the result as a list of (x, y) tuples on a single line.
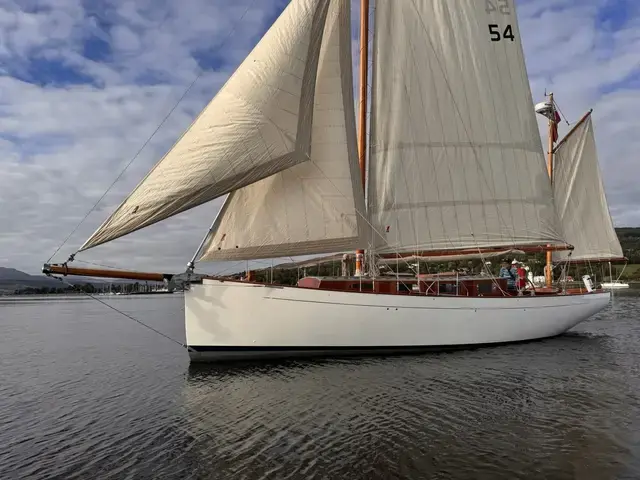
[(87, 393)]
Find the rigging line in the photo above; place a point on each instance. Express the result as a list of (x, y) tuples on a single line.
[(623, 269), (493, 278), (184, 94), (561, 112), (128, 316), (230, 270), (99, 264), (563, 275)]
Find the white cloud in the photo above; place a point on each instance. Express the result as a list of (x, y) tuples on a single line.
[(64, 138)]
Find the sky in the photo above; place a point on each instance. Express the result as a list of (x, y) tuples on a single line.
[(84, 84)]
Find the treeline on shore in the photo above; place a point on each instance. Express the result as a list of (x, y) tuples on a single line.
[(83, 288)]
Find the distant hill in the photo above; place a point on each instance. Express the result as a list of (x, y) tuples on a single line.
[(12, 279), (13, 274)]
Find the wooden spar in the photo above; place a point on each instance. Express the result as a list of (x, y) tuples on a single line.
[(364, 73), (580, 122), (362, 108), (104, 273), (475, 251), (548, 274)]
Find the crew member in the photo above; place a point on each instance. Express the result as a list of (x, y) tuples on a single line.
[(519, 274)]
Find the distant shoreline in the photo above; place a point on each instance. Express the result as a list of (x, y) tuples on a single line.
[(86, 295)]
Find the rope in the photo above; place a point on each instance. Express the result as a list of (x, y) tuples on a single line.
[(494, 280), (561, 112), (140, 322), (623, 269), (184, 94), (99, 264)]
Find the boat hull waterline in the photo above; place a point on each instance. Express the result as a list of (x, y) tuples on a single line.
[(239, 321)]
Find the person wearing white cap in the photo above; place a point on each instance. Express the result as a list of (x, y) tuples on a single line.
[(519, 274)]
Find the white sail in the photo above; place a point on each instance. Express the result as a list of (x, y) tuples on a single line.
[(316, 206), (581, 200), (258, 124), (456, 160)]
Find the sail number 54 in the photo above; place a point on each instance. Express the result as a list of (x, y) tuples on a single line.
[(494, 30)]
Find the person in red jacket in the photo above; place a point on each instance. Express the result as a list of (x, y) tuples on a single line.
[(521, 281)]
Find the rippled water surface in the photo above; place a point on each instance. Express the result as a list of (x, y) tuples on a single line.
[(88, 393)]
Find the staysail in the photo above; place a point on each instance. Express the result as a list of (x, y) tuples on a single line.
[(259, 124), (456, 159), (581, 200), (316, 206)]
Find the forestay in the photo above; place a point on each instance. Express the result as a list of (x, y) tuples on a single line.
[(581, 200), (258, 124), (316, 206), (456, 160)]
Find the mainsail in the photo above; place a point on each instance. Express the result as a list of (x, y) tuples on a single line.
[(580, 198), (316, 206), (456, 160), (259, 124)]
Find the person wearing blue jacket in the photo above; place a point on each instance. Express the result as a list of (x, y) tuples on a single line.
[(509, 274)]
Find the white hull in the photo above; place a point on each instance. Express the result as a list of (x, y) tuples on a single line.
[(614, 285), (234, 320)]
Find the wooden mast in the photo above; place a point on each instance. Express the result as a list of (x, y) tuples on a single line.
[(548, 274), (362, 109)]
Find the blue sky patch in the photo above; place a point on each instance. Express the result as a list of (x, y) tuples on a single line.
[(614, 14), (96, 49), (51, 72)]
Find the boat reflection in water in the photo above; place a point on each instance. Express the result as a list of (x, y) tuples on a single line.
[(538, 410)]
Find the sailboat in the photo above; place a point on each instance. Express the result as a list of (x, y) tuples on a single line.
[(455, 168)]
